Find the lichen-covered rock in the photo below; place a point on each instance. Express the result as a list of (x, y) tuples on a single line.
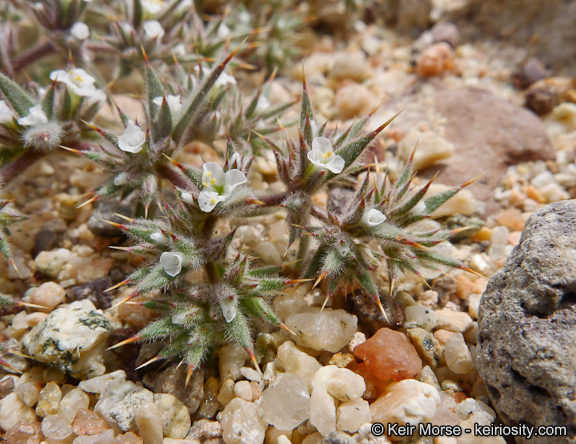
[(72, 338), (527, 324), (327, 330), (119, 401)]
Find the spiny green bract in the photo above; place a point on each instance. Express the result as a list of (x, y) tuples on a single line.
[(196, 318), (8, 216)]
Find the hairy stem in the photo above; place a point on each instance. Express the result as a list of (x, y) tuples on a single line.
[(175, 177), (33, 55), (319, 214), (272, 200)]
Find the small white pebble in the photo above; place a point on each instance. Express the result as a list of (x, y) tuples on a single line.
[(359, 338), (243, 390)]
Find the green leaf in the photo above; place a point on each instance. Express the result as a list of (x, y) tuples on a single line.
[(48, 101), (16, 96), (154, 89)]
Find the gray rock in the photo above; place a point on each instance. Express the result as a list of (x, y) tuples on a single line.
[(527, 325), (94, 292), (105, 210)]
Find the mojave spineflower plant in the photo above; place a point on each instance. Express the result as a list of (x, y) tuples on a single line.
[(322, 155), (218, 185), (373, 217), (174, 103), (153, 29), (80, 31)]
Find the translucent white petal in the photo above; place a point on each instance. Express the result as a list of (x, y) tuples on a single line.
[(35, 117), (80, 31), (373, 217), (187, 197), (158, 237), (171, 263), (321, 144), (316, 157), (335, 164), (228, 307), (121, 179), (343, 248), (153, 29)]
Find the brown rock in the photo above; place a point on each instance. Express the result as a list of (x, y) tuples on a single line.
[(87, 422), (173, 381), (24, 433), (488, 134), (528, 73), (363, 305), (389, 354), (435, 60)]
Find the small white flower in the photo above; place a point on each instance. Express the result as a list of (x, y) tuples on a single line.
[(173, 103), (153, 29), (78, 80), (152, 6), (223, 31), (80, 31), (373, 217), (322, 155), (228, 307), (314, 128), (121, 179), (343, 248), (132, 139), (218, 186), (419, 209), (262, 105), (171, 263), (35, 117), (158, 237), (187, 197), (6, 114), (225, 79), (179, 50)]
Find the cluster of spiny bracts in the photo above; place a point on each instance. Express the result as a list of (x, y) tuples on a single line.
[(379, 224)]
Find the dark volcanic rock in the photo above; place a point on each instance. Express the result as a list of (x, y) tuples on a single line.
[(527, 322), (488, 133), (94, 291)]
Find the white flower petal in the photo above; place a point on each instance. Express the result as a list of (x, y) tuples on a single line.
[(373, 217), (132, 139), (208, 199), (223, 31), (121, 179), (232, 179), (228, 307), (225, 79), (80, 31), (152, 6), (35, 117), (236, 158), (321, 144), (187, 197), (335, 164), (419, 209), (159, 238), (212, 175), (6, 114), (153, 29), (171, 263)]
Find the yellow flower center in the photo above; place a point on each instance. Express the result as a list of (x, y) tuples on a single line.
[(213, 181), (204, 184), (212, 200), (327, 155), (209, 173)]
